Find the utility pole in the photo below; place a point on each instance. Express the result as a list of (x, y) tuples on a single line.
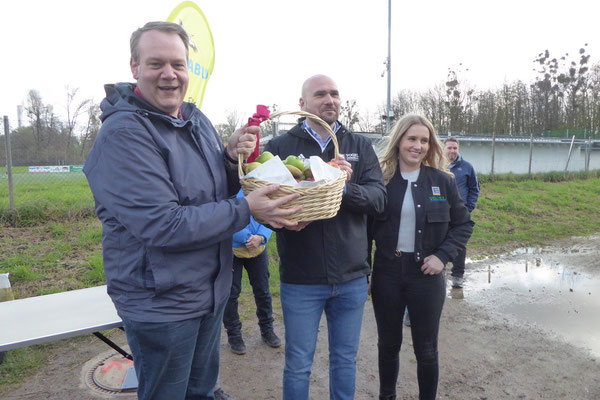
[(389, 67), (11, 194)]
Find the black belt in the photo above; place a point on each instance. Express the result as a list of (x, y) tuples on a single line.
[(399, 253)]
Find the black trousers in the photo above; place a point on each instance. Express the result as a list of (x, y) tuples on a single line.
[(258, 275), (395, 285), (458, 264)]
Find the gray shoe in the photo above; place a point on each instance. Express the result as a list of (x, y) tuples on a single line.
[(406, 317), (237, 345), (458, 281), (221, 395)]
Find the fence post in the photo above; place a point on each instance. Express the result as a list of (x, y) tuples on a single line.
[(530, 152), (569, 156), (11, 195), (493, 151), (588, 153)]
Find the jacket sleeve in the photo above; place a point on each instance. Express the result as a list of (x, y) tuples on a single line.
[(240, 237), (473, 188), (233, 179), (134, 188), (263, 230), (366, 194), (460, 226)]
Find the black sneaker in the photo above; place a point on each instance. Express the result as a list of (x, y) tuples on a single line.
[(221, 395), (271, 339), (236, 345)]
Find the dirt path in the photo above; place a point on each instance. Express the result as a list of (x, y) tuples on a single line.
[(482, 356)]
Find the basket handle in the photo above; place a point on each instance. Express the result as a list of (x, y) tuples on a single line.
[(302, 114)]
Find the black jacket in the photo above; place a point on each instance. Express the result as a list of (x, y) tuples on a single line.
[(443, 223), (333, 250)]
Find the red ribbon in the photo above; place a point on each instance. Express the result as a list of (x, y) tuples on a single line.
[(262, 114)]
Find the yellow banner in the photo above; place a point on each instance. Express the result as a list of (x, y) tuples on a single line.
[(202, 48)]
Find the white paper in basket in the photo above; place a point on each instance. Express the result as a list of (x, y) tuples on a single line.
[(275, 171)]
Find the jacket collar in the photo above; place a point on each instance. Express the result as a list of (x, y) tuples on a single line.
[(298, 129), (121, 97), (456, 162)]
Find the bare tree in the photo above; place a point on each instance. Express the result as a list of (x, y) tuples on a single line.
[(233, 121), (35, 112), (268, 127), (349, 114), (458, 95), (91, 128), (572, 88), (73, 113), (367, 122)]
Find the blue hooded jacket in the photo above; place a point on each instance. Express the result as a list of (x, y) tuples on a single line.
[(466, 180), (253, 228), (162, 190)]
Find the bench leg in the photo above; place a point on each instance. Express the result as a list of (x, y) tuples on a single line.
[(113, 345)]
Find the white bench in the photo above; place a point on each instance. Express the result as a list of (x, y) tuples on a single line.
[(42, 319)]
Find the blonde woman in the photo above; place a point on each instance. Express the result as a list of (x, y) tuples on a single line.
[(424, 225)]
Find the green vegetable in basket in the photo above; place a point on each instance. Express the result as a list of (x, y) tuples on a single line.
[(294, 161)]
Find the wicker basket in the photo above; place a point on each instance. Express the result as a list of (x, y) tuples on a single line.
[(319, 201)]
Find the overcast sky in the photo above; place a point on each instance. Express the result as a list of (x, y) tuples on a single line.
[(266, 49)]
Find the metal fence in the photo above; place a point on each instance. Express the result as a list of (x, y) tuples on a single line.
[(25, 182), (22, 182)]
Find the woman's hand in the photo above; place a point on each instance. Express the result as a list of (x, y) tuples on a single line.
[(432, 265)]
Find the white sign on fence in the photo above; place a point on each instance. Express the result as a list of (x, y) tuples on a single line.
[(50, 168)]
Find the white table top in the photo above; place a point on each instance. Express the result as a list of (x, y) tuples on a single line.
[(41, 319)]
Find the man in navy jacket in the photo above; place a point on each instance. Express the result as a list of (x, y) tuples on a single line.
[(468, 188), (162, 183)]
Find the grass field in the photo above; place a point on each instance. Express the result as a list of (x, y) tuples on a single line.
[(44, 197), (52, 242)]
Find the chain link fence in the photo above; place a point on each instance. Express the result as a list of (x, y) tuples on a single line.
[(44, 183), (34, 185)]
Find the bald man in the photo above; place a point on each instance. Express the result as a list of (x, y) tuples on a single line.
[(323, 264)]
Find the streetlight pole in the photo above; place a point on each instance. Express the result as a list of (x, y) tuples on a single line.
[(389, 67)]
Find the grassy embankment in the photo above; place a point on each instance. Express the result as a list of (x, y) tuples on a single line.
[(52, 244)]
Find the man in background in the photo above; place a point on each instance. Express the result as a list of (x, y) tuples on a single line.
[(468, 188)]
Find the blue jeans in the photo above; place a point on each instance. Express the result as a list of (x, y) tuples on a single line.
[(302, 307), (176, 360), (258, 275)]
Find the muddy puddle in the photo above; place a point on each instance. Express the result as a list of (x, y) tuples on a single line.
[(556, 289)]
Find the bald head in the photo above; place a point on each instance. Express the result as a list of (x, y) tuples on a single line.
[(313, 80), (320, 96)]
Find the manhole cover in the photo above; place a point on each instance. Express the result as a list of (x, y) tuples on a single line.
[(113, 375)]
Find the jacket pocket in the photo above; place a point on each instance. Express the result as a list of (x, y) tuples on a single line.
[(440, 213), (161, 274)]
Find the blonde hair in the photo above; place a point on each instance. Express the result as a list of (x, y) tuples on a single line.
[(434, 158)]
